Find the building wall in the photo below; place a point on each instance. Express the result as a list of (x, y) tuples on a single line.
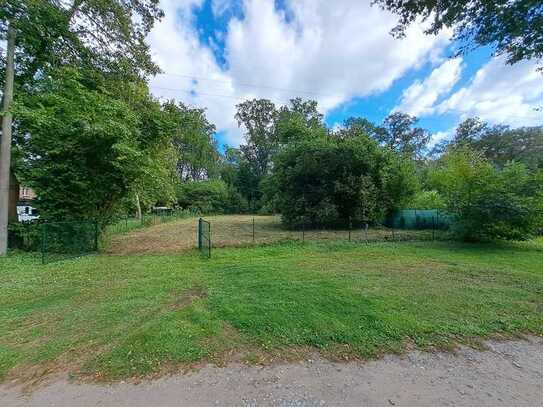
[(26, 193)]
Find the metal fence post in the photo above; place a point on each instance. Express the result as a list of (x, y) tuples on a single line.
[(43, 243), (350, 227), (200, 234), (96, 235), (253, 229), (303, 229)]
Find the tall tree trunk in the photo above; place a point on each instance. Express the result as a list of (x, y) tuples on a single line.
[(138, 206), (5, 142)]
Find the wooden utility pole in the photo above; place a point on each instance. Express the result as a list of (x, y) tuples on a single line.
[(5, 141)]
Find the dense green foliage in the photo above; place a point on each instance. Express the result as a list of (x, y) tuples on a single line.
[(327, 181), (105, 36), (196, 149), (117, 316), (489, 202), (93, 142), (426, 200), (212, 196), (500, 144), (513, 28), (82, 155), (88, 136)]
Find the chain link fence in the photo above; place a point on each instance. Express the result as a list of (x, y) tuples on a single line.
[(246, 230), (63, 240), (125, 223)]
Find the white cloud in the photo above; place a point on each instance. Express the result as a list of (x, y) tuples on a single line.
[(440, 136), (419, 98), (176, 48), (337, 49), (220, 7), (500, 94), (328, 51)]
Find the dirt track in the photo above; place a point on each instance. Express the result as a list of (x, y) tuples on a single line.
[(508, 374)]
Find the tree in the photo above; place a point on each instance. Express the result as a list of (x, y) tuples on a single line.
[(396, 132), (487, 202), (499, 144), (211, 196), (156, 182), (356, 126), (502, 144), (84, 153), (107, 36), (399, 134), (299, 121), (238, 173), (229, 165), (258, 116), (330, 181), (427, 200), (197, 154), (305, 109), (512, 28), (469, 131)]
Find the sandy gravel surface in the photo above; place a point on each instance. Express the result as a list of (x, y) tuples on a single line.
[(507, 374)]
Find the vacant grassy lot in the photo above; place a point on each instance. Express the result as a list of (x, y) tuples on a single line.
[(236, 231), (111, 317)]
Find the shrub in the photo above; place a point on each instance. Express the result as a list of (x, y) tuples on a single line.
[(328, 181), (212, 196), (490, 203), (427, 200), (24, 236)]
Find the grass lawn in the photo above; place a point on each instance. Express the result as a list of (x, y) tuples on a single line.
[(111, 317)]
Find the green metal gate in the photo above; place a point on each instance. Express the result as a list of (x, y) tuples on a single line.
[(204, 237)]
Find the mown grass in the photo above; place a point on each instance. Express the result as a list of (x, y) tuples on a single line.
[(113, 317), (242, 231)]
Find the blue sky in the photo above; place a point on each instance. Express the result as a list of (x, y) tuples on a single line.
[(216, 53)]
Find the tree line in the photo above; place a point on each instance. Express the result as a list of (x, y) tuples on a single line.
[(81, 127), (488, 177)]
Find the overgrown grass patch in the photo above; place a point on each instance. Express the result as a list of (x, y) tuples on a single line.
[(120, 316)]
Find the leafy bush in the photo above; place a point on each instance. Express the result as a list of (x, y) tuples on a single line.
[(490, 203), (427, 200), (24, 235), (327, 181), (213, 196)]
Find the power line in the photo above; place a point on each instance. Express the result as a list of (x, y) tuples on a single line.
[(249, 85), (198, 93), (195, 93)]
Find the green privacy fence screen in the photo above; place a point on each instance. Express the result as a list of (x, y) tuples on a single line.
[(62, 240), (420, 219), (204, 237)]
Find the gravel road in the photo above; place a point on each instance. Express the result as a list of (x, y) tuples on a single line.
[(508, 373)]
